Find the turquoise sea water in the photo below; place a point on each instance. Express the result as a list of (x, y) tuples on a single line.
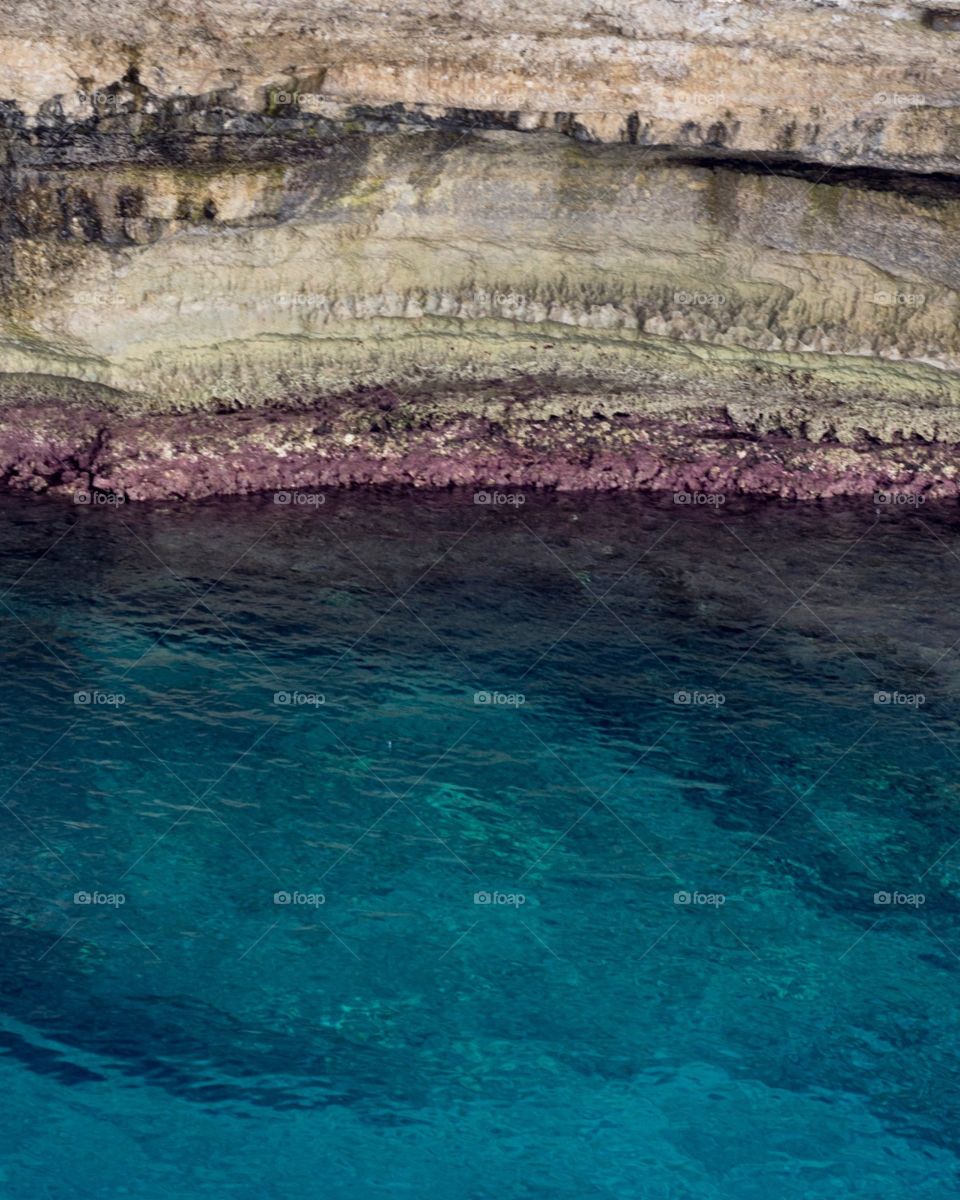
[(585, 811)]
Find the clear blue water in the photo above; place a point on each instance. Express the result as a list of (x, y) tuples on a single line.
[(592, 1038)]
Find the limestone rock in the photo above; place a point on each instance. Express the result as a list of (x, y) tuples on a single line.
[(715, 220)]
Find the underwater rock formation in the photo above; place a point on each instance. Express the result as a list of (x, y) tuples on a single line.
[(694, 247)]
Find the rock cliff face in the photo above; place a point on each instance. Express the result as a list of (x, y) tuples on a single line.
[(695, 246)]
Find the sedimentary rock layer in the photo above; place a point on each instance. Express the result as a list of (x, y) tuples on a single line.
[(637, 245), (863, 81), (569, 443)]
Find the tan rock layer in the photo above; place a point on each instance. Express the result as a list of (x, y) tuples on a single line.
[(871, 83), (425, 258)]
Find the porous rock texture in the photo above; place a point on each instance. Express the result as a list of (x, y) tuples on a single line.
[(693, 246)]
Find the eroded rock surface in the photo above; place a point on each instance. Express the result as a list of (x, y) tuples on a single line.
[(702, 246)]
